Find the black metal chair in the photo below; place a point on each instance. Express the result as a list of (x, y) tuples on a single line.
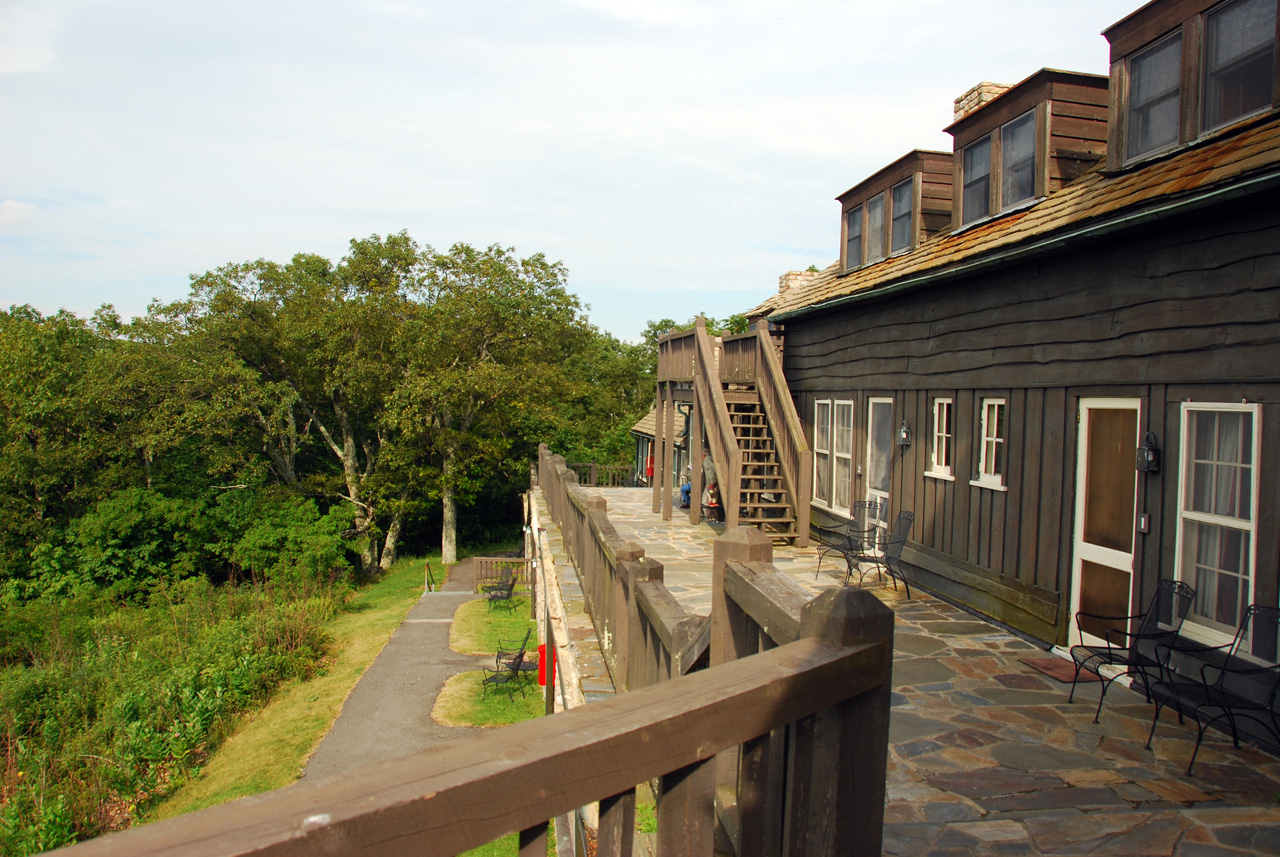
[(881, 551), (508, 678), (501, 593), (510, 650), (1236, 680), (1133, 654), (855, 536)]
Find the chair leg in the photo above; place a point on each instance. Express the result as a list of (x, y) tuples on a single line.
[(1074, 679)]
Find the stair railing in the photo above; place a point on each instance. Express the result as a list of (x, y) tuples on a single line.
[(753, 358), (714, 409)]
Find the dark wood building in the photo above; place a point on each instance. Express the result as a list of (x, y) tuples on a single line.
[(1087, 359)]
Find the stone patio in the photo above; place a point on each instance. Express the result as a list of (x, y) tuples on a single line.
[(986, 755)]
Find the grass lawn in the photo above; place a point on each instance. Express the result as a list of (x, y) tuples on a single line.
[(268, 750)]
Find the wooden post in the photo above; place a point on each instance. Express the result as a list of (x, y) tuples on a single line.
[(686, 810), (836, 775), (668, 448), (695, 460), (654, 451), (733, 636), (617, 831)]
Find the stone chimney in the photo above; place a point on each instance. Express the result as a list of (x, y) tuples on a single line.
[(791, 279), (976, 97)]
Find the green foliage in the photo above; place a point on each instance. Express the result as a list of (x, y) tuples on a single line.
[(108, 706)]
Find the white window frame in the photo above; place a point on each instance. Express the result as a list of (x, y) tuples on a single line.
[(1191, 628), (988, 436), (942, 438), (821, 454), (838, 457)]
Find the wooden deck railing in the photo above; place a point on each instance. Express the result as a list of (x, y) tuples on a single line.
[(807, 699), (645, 635), (602, 475), (710, 402), (489, 569)]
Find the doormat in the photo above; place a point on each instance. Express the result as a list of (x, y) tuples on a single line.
[(1058, 668)]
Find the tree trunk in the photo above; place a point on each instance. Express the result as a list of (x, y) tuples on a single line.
[(393, 533), (449, 538)]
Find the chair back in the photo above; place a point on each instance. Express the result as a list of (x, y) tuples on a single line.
[(1255, 647), (897, 538), (1163, 619)]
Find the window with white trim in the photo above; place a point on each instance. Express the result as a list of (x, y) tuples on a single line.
[(991, 451), (943, 439), (1217, 517), (844, 456), (822, 452)]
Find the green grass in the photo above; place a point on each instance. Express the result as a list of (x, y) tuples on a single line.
[(463, 702), (268, 749), (477, 629)]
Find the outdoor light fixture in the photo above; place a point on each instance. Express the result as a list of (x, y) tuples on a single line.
[(904, 434), (1149, 455)]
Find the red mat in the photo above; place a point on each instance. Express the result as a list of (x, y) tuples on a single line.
[(1058, 668)]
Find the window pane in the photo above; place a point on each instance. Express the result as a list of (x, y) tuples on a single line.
[(1217, 565), (822, 476), (1219, 472), (1155, 88), (1239, 58), (853, 238), (879, 462), (977, 181), (822, 426), (1018, 160), (844, 429), (875, 229), (844, 480), (903, 194)]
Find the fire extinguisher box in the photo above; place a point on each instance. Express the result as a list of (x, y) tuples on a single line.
[(542, 667)]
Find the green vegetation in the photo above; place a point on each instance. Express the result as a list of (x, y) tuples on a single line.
[(109, 705), (269, 749), (477, 629), (189, 498)]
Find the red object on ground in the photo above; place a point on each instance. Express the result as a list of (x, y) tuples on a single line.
[(648, 467), (542, 667)]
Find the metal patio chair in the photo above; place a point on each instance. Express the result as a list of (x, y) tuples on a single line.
[(855, 536), (1134, 654), (1236, 680)]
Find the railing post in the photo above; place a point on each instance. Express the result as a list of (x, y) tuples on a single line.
[(836, 775)]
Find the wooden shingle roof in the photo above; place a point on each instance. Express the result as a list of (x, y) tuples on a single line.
[(1092, 202), (648, 424)]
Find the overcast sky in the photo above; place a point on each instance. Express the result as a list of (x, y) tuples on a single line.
[(676, 156)]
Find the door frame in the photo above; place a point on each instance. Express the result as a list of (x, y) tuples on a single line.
[(875, 493), (1081, 550)]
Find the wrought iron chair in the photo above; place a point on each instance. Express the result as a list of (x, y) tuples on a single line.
[(1133, 654), (882, 552), (1236, 680), (854, 537), (510, 650), (501, 593), (507, 678)]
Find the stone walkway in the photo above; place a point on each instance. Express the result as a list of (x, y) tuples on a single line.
[(987, 756)]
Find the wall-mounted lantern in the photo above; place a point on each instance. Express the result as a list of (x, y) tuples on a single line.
[(904, 434), (1149, 455)]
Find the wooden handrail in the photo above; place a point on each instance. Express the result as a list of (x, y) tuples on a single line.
[(471, 791), (794, 455), (721, 439)]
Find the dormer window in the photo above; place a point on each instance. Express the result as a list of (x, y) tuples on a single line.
[(875, 229), (977, 181), (853, 238), (1155, 89), (1213, 66), (896, 208), (1018, 161), (903, 196), (1239, 59)]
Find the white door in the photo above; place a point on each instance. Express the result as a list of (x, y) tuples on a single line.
[(1106, 515), (879, 455)]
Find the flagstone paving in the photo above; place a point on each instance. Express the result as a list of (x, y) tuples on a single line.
[(986, 755)]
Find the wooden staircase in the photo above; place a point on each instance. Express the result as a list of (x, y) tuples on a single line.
[(763, 500)]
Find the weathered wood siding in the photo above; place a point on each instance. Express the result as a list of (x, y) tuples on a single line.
[(1189, 309)]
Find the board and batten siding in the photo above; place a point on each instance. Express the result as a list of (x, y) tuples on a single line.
[(1188, 309)]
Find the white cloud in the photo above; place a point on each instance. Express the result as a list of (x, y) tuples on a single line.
[(12, 211), (26, 37)]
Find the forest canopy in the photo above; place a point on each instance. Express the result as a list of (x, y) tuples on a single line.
[(298, 420)]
